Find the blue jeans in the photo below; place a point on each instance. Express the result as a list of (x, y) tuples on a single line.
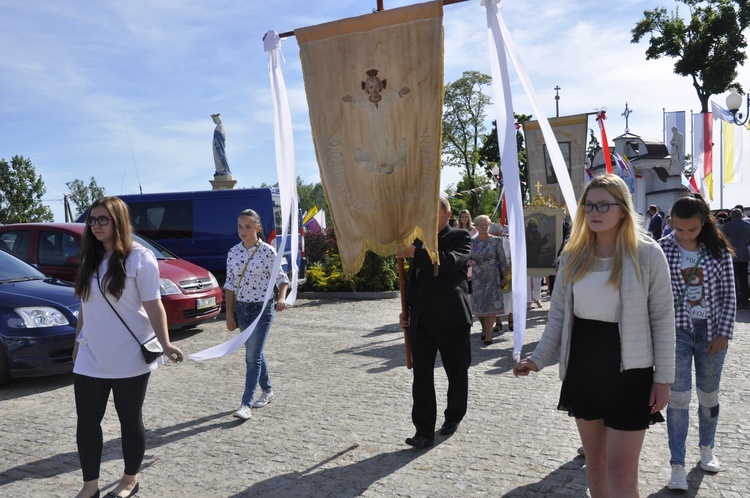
[(257, 368), (691, 345)]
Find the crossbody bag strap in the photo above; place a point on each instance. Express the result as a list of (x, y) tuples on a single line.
[(687, 283), (242, 275), (113, 308)]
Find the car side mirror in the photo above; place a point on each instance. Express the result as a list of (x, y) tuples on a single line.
[(73, 261)]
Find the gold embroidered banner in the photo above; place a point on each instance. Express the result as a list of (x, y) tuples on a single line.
[(375, 91)]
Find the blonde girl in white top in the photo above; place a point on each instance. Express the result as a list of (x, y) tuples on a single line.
[(611, 324)]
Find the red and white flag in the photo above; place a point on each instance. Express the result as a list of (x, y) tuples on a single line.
[(703, 154)]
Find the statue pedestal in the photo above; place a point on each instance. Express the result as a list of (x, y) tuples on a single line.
[(223, 182)]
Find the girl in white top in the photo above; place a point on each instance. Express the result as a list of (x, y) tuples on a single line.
[(610, 324), (107, 357)]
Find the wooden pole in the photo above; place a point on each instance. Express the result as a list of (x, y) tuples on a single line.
[(404, 308), (379, 8)]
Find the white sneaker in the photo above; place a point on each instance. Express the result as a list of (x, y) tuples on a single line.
[(678, 481), (709, 462), (244, 413), (264, 399)]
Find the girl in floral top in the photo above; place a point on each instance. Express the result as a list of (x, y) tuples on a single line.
[(249, 269)]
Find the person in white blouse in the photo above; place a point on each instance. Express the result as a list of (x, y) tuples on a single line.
[(611, 325), (249, 271), (118, 284)]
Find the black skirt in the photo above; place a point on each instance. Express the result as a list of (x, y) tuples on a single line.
[(595, 388)]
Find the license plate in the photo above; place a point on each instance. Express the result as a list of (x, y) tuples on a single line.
[(205, 303)]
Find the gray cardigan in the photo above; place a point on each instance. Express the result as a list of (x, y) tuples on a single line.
[(647, 326)]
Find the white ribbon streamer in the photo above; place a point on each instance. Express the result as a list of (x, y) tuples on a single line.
[(286, 168), (287, 173), (511, 178), (500, 42)]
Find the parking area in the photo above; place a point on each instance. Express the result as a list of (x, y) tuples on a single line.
[(338, 423)]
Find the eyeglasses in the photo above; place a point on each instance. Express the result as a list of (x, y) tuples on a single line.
[(601, 207), (102, 220), (483, 225)]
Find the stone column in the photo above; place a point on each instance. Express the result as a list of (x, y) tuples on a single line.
[(223, 182)]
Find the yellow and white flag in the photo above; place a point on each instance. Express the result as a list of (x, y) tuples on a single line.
[(735, 144), (374, 88)]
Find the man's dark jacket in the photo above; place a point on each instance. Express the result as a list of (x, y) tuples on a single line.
[(440, 301)]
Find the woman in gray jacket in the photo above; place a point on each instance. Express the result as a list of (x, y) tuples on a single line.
[(611, 324)]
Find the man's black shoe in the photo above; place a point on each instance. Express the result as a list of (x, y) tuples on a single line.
[(419, 441), (448, 428)]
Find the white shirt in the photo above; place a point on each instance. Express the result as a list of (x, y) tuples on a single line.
[(254, 283), (593, 297), (106, 349)]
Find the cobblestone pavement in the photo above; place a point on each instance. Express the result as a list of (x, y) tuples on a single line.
[(338, 424)]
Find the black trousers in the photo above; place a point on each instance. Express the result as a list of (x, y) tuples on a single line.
[(740, 283), (91, 396), (455, 352)]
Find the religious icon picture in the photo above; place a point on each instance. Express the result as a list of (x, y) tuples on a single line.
[(543, 230), (565, 149), (381, 157)]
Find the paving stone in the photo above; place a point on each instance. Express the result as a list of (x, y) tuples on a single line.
[(338, 423)]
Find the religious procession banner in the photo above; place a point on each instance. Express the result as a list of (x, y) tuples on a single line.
[(570, 133), (375, 91)]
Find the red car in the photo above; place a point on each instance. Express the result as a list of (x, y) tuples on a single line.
[(191, 294)]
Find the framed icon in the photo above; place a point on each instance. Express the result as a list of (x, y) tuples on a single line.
[(544, 232)]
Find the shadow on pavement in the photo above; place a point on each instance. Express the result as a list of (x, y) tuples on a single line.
[(567, 480), (393, 355), (63, 463), (346, 481), (29, 386), (393, 328), (502, 358)]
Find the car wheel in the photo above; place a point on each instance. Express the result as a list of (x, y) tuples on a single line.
[(4, 362)]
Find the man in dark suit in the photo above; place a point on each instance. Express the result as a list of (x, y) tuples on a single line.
[(738, 233), (655, 225), (439, 319)]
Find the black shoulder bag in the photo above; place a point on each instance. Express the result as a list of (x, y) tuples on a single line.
[(150, 349)]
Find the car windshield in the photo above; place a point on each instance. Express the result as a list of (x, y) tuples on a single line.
[(13, 269), (159, 251)]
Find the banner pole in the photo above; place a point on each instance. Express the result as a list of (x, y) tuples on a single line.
[(404, 308), (380, 8)]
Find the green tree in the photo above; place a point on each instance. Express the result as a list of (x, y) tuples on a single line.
[(523, 157), (489, 154), (21, 192), (708, 47), (464, 116), (483, 202), (688, 170), (312, 194), (84, 195)]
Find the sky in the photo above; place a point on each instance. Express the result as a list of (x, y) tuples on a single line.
[(124, 91)]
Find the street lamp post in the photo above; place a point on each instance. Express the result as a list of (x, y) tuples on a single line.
[(734, 102)]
